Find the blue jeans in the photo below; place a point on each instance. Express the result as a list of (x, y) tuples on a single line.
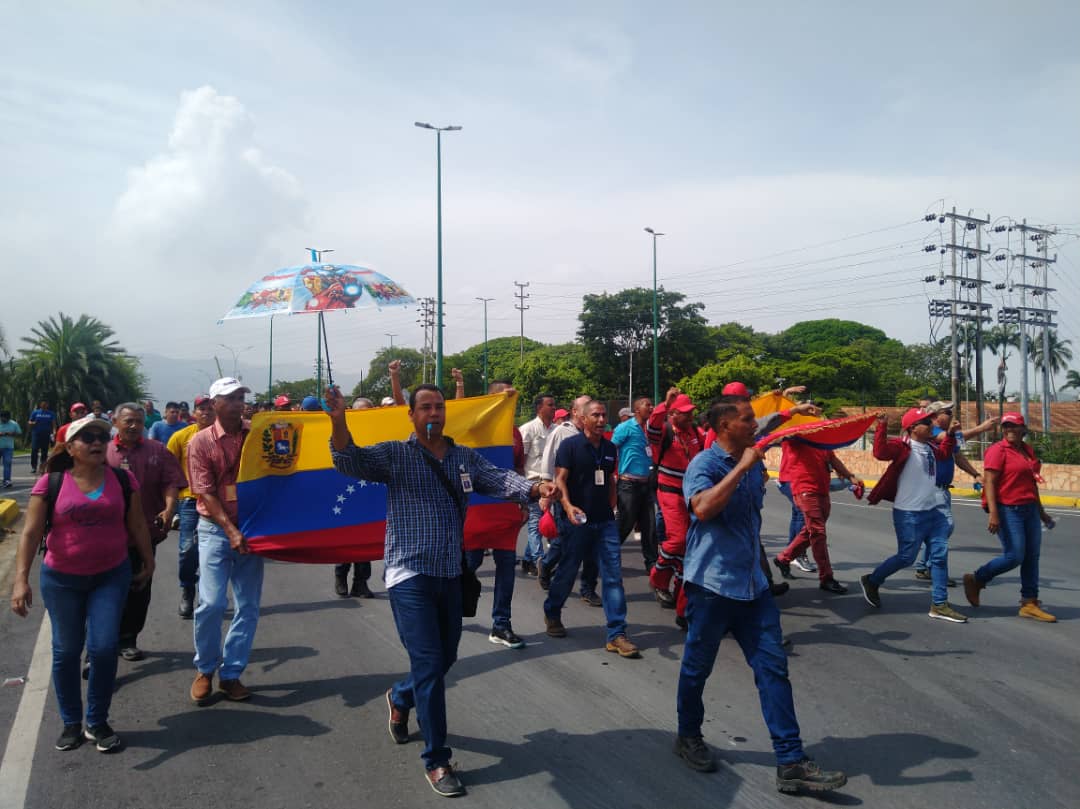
[(924, 558), (6, 455), (913, 528), (85, 609), (189, 546), (795, 525), (756, 628), (219, 565), (601, 541), (534, 547), (40, 443), (427, 613), (589, 566), (504, 582), (1020, 533)]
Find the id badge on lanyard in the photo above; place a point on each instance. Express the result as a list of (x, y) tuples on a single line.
[(466, 480)]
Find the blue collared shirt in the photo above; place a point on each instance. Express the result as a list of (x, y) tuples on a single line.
[(634, 458), (722, 554), (423, 526)]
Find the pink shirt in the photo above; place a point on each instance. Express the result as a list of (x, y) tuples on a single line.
[(213, 464), (87, 536)]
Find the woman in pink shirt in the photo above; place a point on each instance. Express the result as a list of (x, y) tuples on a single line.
[(85, 575)]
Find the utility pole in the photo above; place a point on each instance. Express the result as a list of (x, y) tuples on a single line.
[(427, 322), (521, 295), (485, 302), (655, 323)]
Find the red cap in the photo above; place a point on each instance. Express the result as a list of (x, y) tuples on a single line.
[(78, 405), (561, 413), (913, 416), (735, 389), (1014, 418), (202, 397), (281, 401), (682, 404)]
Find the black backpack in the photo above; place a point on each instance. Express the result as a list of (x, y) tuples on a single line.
[(56, 480)]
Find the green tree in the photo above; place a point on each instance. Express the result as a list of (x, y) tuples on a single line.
[(929, 366), (296, 390), (564, 371), (1060, 354), (998, 340), (376, 382), (504, 356), (706, 384), (730, 339), (813, 336), (66, 360), (1072, 380)]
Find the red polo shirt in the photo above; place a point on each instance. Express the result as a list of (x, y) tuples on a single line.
[(1016, 468)]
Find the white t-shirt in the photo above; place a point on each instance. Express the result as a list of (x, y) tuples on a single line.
[(551, 446), (534, 436), (917, 489)]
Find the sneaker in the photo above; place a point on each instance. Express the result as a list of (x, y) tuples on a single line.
[(399, 721), (831, 585), (972, 586), (201, 688), (804, 563), (341, 585), (870, 591), (946, 613), (132, 653), (951, 582), (554, 628), (103, 737), (778, 588), (783, 567), (71, 737), (922, 575), (696, 754), (665, 598), (592, 599), (7, 484), (360, 589), (187, 603), (623, 647), (505, 636), (1032, 608), (234, 690), (443, 781), (806, 774)]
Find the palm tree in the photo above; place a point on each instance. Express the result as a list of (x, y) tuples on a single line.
[(1059, 355), (68, 359), (999, 340), (1072, 379)]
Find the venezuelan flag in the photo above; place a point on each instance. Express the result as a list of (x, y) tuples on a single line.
[(294, 506), (775, 402)]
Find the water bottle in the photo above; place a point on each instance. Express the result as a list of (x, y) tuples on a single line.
[(580, 518)]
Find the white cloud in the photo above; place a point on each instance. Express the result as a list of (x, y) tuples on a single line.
[(590, 53), (211, 196)]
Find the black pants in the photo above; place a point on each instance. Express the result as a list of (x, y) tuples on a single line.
[(137, 605), (637, 504), (362, 573)]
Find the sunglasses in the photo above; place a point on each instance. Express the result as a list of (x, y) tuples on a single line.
[(90, 436)]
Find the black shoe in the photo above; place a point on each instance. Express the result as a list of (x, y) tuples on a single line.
[(341, 585), (187, 603), (103, 737), (443, 781), (360, 589), (870, 591), (783, 567), (131, 653), (779, 588), (71, 737), (543, 575), (665, 598), (833, 586), (951, 582), (505, 636), (592, 599), (696, 754), (399, 721), (787, 645), (806, 774), (680, 622), (528, 568)]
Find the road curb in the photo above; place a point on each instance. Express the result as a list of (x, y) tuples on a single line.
[(9, 512)]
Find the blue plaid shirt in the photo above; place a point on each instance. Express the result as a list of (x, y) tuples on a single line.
[(423, 526)]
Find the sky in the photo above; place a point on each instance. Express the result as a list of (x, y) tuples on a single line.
[(159, 157)]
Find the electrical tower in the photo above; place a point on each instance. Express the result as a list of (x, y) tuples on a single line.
[(521, 295), (427, 322)]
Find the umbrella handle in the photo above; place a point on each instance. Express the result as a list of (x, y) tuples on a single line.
[(326, 348)]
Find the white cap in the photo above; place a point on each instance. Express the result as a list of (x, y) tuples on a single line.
[(79, 425), (227, 385), (387, 401)]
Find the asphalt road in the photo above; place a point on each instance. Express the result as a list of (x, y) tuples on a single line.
[(917, 712)]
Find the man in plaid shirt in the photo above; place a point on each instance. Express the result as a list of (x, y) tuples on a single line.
[(423, 555)]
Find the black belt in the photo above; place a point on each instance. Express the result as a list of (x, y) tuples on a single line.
[(669, 489), (634, 478), (945, 486)]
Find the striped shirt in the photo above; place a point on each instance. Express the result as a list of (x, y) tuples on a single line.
[(423, 526), (685, 444)]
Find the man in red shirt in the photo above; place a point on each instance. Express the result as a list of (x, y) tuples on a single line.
[(806, 469), (77, 411), (674, 439)]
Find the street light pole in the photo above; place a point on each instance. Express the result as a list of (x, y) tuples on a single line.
[(485, 302), (235, 357), (391, 336), (655, 323), (438, 216)]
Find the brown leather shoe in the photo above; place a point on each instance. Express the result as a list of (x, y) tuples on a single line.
[(623, 647), (554, 628), (201, 688), (234, 690), (399, 720), (972, 586)]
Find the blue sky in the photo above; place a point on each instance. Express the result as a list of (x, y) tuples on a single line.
[(176, 151)]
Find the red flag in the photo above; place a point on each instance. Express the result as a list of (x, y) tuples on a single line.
[(832, 434)]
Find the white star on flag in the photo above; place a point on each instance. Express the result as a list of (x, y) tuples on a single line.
[(350, 488), (337, 509), (341, 498)]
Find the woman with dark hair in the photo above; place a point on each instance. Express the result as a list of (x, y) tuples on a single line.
[(86, 573), (1011, 475)]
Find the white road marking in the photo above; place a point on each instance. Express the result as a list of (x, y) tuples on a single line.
[(22, 741)]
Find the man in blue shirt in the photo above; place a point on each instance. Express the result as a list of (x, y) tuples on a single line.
[(172, 423), (42, 422), (637, 500), (726, 590), (425, 516), (585, 479), (9, 428)]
